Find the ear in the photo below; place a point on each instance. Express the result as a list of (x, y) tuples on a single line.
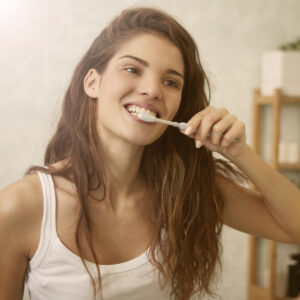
[(91, 83)]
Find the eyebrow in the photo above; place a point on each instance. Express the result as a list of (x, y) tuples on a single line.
[(144, 63)]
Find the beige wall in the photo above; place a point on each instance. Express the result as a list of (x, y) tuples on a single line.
[(41, 43)]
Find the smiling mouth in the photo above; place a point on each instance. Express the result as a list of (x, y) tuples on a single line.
[(134, 110)]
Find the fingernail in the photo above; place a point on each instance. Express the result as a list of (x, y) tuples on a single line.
[(188, 130), (198, 144)]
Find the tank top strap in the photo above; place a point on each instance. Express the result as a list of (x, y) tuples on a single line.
[(48, 228)]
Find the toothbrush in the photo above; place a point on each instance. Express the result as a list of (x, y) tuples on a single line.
[(182, 125), (151, 118)]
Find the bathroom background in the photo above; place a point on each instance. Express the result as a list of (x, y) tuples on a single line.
[(42, 41)]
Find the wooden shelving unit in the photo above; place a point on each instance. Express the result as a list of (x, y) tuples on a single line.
[(256, 292)]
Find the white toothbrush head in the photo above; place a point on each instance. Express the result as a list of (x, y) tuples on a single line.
[(146, 117), (150, 118)]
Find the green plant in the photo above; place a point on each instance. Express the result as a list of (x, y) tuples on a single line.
[(293, 46)]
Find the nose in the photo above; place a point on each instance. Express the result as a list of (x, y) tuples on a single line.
[(150, 87)]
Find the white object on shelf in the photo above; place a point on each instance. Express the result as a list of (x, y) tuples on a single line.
[(288, 152), (283, 152), (293, 149), (281, 69)]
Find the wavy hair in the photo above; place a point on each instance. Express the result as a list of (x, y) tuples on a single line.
[(189, 203)]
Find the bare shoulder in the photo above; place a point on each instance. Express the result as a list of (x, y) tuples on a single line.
[(21, 209), (22, 197), (20, 218)]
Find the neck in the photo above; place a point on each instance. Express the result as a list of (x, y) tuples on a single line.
[(125, 184)]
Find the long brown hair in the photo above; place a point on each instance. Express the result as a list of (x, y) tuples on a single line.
[(189, 204)]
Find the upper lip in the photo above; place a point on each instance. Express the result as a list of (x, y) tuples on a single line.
[(146, 106)]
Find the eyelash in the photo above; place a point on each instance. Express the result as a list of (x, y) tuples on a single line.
[(137, 71)]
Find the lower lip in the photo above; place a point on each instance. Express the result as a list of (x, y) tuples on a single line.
[(138, 120)]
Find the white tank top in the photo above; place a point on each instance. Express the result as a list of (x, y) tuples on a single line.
[(56, 273)]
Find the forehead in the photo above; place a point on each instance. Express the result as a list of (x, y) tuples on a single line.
[(158, 51)]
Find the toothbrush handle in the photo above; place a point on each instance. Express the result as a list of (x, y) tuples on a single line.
[(181, 125)]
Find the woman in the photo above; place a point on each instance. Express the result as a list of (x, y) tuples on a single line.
[(130, 210)]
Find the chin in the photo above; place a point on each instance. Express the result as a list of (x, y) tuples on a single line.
[(143, 140)]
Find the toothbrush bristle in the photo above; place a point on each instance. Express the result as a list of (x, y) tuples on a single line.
[(146, 117)]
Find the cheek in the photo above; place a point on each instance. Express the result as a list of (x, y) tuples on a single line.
[(114, 85), (173, 106)]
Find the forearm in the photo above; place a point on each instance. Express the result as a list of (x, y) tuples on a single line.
[(281, 197)]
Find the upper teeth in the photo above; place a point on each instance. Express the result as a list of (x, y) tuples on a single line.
[(134, 108)]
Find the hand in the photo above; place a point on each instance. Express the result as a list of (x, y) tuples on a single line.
[(217, 130)]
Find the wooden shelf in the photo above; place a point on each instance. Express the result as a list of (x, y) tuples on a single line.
[(286, 166), (256, 292), (290, 99), (270, 100)]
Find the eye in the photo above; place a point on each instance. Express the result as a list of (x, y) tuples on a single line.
[(172, 83), (133, 70)]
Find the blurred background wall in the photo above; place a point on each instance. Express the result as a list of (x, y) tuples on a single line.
[(42, 41)]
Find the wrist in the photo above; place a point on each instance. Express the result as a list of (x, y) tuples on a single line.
[(243, 155)]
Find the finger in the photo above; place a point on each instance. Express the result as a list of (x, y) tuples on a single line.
[(191, 133), (195, 121), (220, 128), (193, 125), (233, 134), (208, 122)]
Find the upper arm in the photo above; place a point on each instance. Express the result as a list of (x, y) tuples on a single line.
[(245, 210), (16, 222)]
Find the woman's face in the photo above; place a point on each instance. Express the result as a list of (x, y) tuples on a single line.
[(147, 71)]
